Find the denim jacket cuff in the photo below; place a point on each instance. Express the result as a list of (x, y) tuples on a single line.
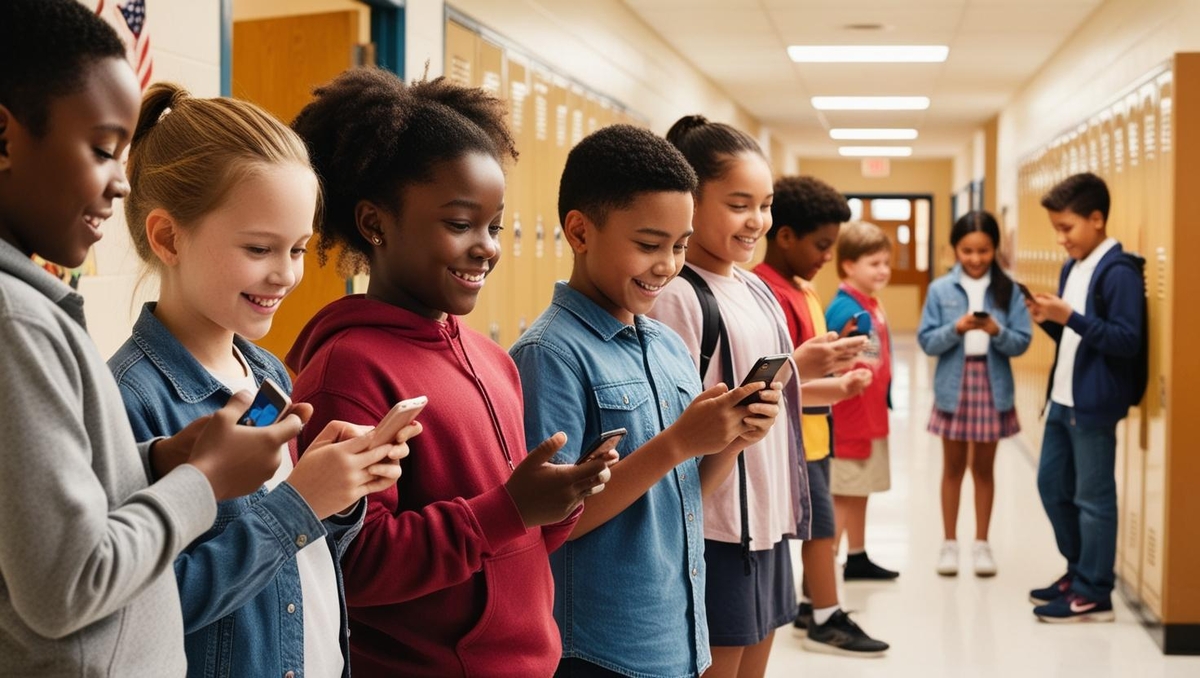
[(289, 517)]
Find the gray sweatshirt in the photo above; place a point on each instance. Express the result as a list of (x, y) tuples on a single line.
[(87, 586)]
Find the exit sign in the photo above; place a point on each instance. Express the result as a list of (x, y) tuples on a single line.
[(876, 168)]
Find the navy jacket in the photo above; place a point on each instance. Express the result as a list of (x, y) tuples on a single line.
[(1110, 365)]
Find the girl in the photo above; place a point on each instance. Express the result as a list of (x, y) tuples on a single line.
[(749, 593), (221, 207), (450, 576), (974, 324)]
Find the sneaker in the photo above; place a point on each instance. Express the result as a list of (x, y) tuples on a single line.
[(985, 564), (859, 566), (840, 635), (1052, 592), (1075, 608), (803, 619), (948, 560)]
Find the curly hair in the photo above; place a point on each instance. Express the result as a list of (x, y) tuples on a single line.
[(710, 146), (804, 204), (370, 135), (45, 45), (613, 165)]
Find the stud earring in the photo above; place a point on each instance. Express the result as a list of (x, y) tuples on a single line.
[(377, 240)]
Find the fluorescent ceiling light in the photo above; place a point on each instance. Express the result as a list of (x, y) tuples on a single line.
[(863, 134), (868, 53), (870, 103), (875, 151)]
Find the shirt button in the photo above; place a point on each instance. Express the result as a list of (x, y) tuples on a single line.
[(302, 540), (290, 674), (691, 517), (291, 608), (664, 404), (695, 572), (683, 476), (626, 399)]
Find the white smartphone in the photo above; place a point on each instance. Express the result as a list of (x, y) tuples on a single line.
[(401, 415), (269, 406)]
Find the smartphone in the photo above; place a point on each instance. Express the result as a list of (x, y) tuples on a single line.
[(764, 370), (401, 415), (982, 315), (269, 406), (607, 441), (862, 324), (1024, 291)]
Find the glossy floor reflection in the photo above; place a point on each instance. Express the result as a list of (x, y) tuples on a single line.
[(964, 626)]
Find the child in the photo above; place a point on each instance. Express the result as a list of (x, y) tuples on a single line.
[(87, 587), (807, 214), (1099, 323), (594, 362), (860, 462), (754, 511), (221, 208), (450, 575), (973, 323)]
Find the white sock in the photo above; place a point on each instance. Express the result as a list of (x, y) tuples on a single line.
[(805, 600), (822, 615), (855, 552)]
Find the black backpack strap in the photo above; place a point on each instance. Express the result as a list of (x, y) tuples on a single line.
[(712, 330)]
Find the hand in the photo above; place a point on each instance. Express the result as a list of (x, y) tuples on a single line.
[(238, 459), (1049, 307), (345, 463), (170, 452), (990, 326), (967, 323), (713, 419), (546, 493), (762, 414), (827, 354), (855, 382)]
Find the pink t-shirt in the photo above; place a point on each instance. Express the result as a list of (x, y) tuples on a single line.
[(752, 334)]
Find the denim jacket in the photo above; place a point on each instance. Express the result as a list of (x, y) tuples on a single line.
[(945, 303), (629, 595), (239, 584)]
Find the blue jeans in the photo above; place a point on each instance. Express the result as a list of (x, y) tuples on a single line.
[(1077, 482)]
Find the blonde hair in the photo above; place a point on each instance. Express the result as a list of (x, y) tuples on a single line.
[(859, 239), (188, 153)]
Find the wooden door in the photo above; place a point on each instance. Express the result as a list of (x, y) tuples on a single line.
[(276, 64)]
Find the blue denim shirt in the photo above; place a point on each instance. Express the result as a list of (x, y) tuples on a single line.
[(629, 595), (945, 303), (239, 585)]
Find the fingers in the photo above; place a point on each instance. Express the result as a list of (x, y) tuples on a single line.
[(339, 432), (237, 404), (737, 394), (593, 473), (546, 449), (712, 392), (409, 432), (302, 410)]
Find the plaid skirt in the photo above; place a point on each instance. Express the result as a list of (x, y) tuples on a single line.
[(976, 418)]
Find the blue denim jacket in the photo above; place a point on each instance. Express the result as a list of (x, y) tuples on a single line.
[(945, 303), (239, 585), (629, 595)]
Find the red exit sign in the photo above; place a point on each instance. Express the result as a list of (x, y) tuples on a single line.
[(876, 168)]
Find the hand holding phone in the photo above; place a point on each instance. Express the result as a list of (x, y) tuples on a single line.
[(601, 446), (269, 406), (402, 414), (764, 370), (981, 315), (862, 324), (1025, 292)]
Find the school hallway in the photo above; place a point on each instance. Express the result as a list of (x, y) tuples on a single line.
[(967, 626)]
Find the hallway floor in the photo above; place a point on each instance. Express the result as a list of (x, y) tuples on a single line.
[(965, 626)]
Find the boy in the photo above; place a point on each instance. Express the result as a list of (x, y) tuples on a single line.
[(86, 584), (807, 214), (629, 586), (1098, 321), (860, 435)]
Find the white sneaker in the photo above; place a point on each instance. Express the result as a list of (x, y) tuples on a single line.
[(948, 560), (985, 564)]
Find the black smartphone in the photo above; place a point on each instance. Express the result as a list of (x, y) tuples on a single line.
[(764, 370), (607, 441), (269, 406), (1025, 291), (982, 315)]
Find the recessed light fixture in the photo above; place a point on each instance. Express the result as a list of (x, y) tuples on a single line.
[(875, 151), (864, 134), (870, 103), (895, 54)]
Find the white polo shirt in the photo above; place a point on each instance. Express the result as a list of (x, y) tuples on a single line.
[(1075, 294)]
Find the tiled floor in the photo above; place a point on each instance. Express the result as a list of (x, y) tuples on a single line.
[(964, 626)]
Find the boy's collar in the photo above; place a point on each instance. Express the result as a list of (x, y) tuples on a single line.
[(16, 263), (596, 318)]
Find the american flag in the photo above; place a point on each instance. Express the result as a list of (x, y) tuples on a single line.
[(130, 21)]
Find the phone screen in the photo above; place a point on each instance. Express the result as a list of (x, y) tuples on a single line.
[(607, 441), (764, 370), (262, 412)]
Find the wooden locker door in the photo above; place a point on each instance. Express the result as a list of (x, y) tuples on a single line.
[(1093, 145), (276, 63), (543, 199), (577, 129), (522, 196), (490, 77)]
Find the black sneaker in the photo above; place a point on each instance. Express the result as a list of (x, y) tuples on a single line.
[(1052, 592), (803, 620), (840, 635), (859, 566)]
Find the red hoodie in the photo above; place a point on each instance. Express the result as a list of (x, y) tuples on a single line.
[(444, 579)]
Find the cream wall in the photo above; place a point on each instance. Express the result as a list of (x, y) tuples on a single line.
[(185, 42)]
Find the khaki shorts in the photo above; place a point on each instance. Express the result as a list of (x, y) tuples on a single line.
[(862, 477)]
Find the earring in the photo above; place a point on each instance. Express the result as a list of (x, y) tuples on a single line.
[(377, 240)]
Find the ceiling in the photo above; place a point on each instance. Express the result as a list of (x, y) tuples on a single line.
[(995, 47)]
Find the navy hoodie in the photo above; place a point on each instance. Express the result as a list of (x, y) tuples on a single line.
[(1110, 365)]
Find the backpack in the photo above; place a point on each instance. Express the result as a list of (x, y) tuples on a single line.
[(1141, 365)]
